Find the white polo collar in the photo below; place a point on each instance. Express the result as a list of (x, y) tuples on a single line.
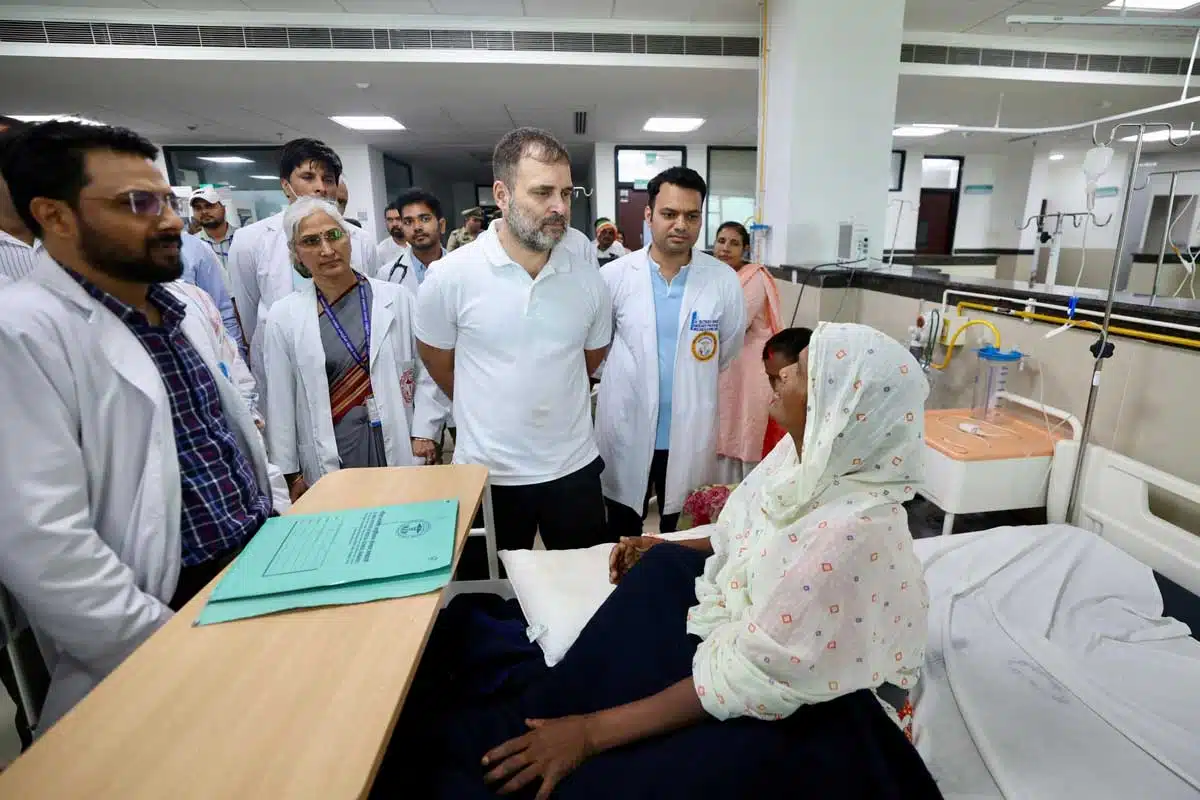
[(493, 250)]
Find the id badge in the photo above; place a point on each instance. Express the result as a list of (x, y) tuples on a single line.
[(373, 412)]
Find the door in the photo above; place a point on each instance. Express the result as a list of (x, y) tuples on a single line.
[(935, 221), (631, 213)]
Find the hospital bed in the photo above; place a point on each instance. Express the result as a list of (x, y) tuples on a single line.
[(1098, 701)]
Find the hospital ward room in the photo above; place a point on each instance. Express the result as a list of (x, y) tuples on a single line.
[(599, 399)]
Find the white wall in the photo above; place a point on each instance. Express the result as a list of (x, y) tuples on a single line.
[(987, 221), (604, 169), (362, 168), (464, 197)]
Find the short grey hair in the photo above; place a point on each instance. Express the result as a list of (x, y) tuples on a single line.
[(301, 210), (533, 143)]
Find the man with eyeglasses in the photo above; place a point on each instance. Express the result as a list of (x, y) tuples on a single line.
[(260, 266), (131, 470)]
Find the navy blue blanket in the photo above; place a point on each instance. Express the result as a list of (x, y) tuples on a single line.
[(480, 680)]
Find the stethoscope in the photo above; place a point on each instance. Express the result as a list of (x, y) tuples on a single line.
[(403, 275)]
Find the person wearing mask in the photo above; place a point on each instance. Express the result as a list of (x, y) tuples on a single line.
[(468, 232), (745, 391), (131, 471), (260, 263), (208, 209), (20, 249), (679, 321), (202, 269), (510, 326), (606, 244), (345, 385), (423, 226), (394, 245)]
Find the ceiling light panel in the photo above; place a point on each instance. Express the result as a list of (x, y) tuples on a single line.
[(672, 124), (369, 123)]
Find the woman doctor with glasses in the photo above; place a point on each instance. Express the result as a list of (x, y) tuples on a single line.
[(345, 387)]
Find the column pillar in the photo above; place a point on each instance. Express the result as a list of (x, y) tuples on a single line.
[(832, 70)]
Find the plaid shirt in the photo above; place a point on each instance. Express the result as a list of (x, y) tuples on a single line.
[(222, 504)]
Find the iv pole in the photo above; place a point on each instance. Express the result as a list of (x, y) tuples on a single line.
[(1101, 348)]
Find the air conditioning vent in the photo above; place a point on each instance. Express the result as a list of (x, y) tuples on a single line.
[(924, 54), (214, 36), (573, 42), (451, 40), (492, 40), (69, 33), (580, 123), (533, 41), (665, 45), (131, 34), (177, 35), (310, 38), (21, 31), (965, 56), (741, 46), (702, 45), (267, 37), (352, 39)]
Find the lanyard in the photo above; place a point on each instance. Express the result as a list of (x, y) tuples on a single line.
[(363, 359)]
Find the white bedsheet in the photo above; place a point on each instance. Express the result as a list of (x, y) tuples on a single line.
[(1051, 674)]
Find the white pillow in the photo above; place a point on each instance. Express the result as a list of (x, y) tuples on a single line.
[(560, 590)]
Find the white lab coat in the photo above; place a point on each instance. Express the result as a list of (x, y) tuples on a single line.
[(400, 270), (627, 405), (90, 497), (261, 274), (300, 434)]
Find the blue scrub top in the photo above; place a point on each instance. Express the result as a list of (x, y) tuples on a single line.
[(668, 306)]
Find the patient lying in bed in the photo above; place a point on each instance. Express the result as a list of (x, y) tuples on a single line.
[(745, 662)]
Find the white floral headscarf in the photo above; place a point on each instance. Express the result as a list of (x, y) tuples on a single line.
[(813, 589)]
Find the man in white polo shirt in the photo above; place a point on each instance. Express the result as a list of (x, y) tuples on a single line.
[(510, 326)]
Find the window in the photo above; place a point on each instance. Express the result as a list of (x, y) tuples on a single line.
[(898, 158), (732, 176), (252, 183), (640, 166), (940, 173)]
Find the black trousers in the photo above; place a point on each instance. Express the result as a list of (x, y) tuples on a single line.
[(568, 512), (624, 521)]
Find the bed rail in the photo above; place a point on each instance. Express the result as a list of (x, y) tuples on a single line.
[(1115, 503)]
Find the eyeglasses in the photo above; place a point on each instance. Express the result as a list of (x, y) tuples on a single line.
[(153, 204), (313, 240)]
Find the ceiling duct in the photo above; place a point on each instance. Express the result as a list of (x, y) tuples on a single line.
[(580, 123)]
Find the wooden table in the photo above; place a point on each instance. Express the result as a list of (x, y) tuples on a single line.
[(295, 705)]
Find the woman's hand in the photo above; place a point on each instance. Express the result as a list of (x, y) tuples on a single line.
[(626, 553), (552, 750)]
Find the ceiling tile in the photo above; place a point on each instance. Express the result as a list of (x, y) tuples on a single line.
[(578, 9), (190, 5), (120, 4), (387, 6), (481, 8), (329, 6), (687, 10)]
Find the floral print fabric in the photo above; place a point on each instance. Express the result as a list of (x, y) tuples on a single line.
[(813, 590)]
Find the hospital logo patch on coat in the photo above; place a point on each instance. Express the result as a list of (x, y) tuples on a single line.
[(704, 346), (408, 387)]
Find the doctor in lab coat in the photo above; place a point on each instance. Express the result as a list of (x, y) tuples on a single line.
[(260, 265), (100, 508), (678, 320), (388, 420), (424, 226)]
